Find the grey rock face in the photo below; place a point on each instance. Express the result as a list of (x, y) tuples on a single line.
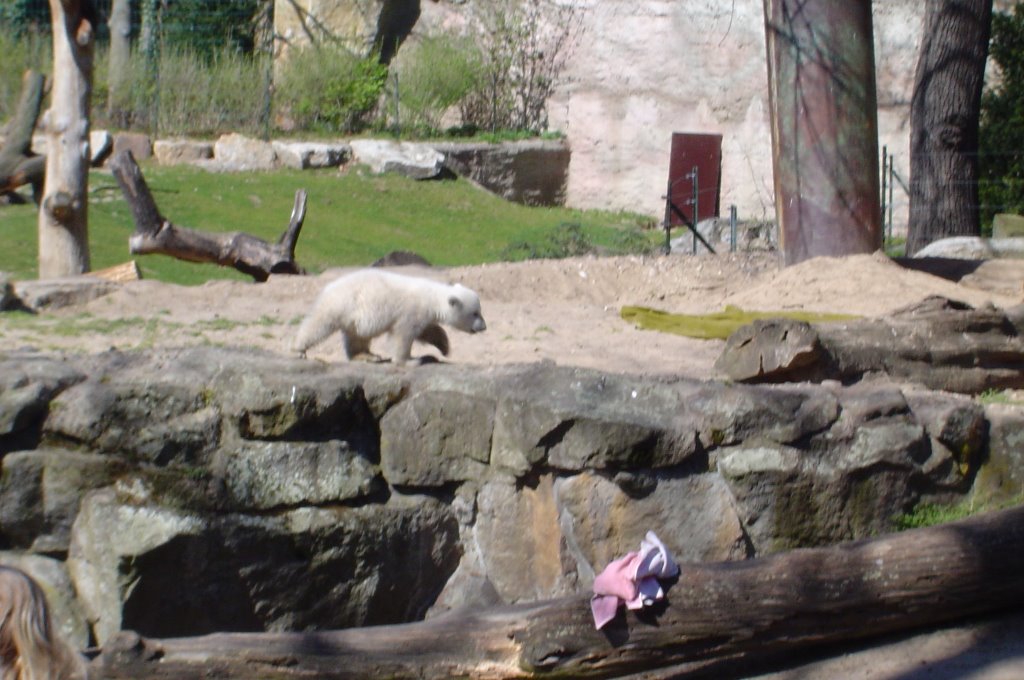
[(410, 159), (534, 172), (311, 567), (299, 495)]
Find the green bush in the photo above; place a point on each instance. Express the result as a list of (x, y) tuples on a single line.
[(327, 88), (433, 75), (193, 94), (1001, 161)]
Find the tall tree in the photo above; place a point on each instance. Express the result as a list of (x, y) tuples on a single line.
[(63, 217), (821, 84), (944, 114)]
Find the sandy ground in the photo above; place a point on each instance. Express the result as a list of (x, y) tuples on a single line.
[(566, 311)]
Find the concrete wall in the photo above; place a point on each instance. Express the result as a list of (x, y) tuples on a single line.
[(643, 69)]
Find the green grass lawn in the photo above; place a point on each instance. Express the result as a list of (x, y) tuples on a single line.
[(351, 219)]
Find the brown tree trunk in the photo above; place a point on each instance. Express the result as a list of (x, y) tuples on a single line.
[(823, 107), (155, 234), (733, 611), (944, 118), (63, 215)]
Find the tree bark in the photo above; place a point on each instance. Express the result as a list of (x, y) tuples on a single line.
[(63, 215), (155, 234), (18, 166), (944, 118), (939, 343), (715, 614), (120, 52), (823, 107)]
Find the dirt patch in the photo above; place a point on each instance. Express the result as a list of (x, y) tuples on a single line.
[(565, 311)]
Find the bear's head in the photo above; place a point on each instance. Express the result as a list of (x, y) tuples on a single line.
[(464, 310)]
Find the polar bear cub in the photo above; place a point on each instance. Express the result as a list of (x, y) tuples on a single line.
[(371, 302)]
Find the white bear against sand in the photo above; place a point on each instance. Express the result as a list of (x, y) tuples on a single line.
[(371, 302)]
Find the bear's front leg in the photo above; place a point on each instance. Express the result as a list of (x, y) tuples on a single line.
[(402, 339)]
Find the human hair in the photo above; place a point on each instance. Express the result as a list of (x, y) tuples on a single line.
[(30, 649)]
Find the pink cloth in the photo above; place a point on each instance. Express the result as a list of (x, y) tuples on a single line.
[(632, 579)]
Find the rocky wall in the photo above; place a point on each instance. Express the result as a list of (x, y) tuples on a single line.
[(180, 492)]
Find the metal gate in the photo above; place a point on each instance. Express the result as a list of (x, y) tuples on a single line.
[(694, 182)]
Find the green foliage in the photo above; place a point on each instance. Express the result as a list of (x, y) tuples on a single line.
[(929, 514), (352, 219), (1001, 161), (433, 75), (208, 29), (23, 16), (327, 88), (572, 240), (993, 396)]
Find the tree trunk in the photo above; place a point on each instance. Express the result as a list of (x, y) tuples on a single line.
[(17, 164), (939, 343), (823, 107), (944, 118), (248, 254), (120, 52), (715, 613), (63, 215)]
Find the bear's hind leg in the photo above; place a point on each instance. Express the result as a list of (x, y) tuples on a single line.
[(356, 346)]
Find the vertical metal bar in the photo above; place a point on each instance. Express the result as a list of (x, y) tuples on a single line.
[(892, 173), (885, 178), (668, 218), (824, 115), (732, 228), (696, 207)]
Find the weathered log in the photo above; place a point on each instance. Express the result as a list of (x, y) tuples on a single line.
[(939, 343), (18, 165), (244, 252), (719, 611)]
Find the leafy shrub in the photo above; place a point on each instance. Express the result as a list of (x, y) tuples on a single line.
[(525, 47), (1001, 161), (433, 75), (326, 87)]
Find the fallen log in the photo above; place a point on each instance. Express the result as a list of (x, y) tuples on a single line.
[(18, 165), (730, 611), (939, 343), (246, 253)]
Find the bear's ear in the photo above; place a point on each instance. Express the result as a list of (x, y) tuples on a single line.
[(455, 302)]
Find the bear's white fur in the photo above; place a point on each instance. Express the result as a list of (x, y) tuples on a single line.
[(371, 302)]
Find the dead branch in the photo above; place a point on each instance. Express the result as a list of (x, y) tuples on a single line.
[(244, 252)]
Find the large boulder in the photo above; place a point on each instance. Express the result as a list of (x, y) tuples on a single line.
[(143, 562), (40, 493), (533, 172), (410, 159)]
